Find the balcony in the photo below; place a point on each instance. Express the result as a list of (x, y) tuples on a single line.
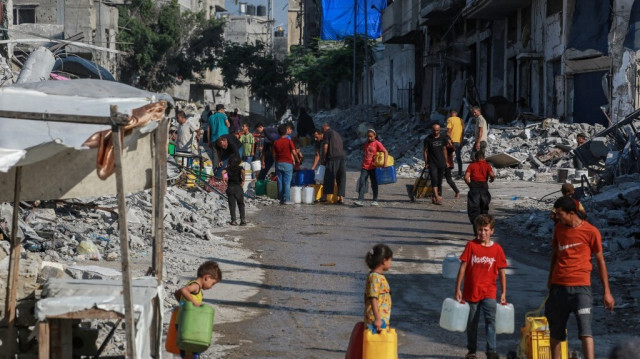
[(400, 22), (440, 12), (492, 9)]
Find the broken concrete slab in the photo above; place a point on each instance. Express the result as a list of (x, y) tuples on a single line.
[(503, 160), (92, 272)]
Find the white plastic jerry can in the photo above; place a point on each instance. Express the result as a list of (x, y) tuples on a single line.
[(296, 194), (504, 318), (454, 315), (450, 266)]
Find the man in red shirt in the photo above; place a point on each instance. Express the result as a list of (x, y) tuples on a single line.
[(476, 177), (481, 262), (574, 242), (284, 154)]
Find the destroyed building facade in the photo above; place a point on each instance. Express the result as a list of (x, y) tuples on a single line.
[(551, 58)]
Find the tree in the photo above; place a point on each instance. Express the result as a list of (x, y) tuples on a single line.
[(163, 45)]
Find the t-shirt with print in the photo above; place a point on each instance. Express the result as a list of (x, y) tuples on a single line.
[(436, 148), (370, 150), (481, 123), (335, 148), (574, 248), (480, 275), (455, 124), (283, 148), (247, 144), (377, 287), (479, 171)]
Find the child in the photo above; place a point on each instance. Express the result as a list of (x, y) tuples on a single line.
[(248, 143), (284, 154), (568, 191), (377, 301), (208, 275), (482, 261), (235, 191), (368, 170)]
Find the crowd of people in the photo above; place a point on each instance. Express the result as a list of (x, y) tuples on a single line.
[(229, 142)]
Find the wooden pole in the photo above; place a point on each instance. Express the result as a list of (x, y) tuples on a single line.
[(124, 237), (14, 268)]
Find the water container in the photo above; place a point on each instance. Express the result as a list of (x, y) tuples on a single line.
[(454, 315), (317, 191), (303, 178), (386, 175), (383, 345), (296, 194), (256, 166), (272, 189), (319, 174), (450, 266), (261, 187), (195, 327), (170, 344), (307, 195), (504, 319), (246, 166)]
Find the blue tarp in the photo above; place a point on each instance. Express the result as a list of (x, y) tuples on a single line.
[(632, 41), (337, 18), (591, 25)]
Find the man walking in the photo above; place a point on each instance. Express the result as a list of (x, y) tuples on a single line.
[(478, 198), (435, 159), (455, 131), (333, 158), (481, 130), (574, 242), (187, 133)]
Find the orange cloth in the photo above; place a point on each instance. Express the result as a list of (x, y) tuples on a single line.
[(574, 248)]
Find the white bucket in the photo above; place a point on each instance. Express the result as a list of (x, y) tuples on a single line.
[(308, 195), (256, 166), (246, 166), (320, 174), (296, 194)]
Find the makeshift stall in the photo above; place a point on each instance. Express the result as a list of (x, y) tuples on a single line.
[(65, 139)]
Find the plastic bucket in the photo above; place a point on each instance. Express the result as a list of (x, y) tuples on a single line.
[(296, 194), (256, 166), (307, 195)]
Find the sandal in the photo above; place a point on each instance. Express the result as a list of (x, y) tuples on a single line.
[(243, 223), (233, 223), (470, 356)]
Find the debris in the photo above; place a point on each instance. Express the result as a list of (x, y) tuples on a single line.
[(503, 160)]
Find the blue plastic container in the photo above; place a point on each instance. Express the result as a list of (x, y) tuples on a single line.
[(386, 175), (303, 178)]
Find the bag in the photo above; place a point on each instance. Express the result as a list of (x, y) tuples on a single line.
[(383, 345), (386, 175), (378, 160), (354, 350), (422, 186)]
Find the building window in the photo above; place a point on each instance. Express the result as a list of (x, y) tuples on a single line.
[(24, 14)]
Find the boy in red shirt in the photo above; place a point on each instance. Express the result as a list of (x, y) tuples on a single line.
[(284, 154), (476, 177), (482, 261)]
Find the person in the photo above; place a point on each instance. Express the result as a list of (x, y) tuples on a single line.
[(223, 148), (435, 159), (235, 190), (208, 275), (575, 241), (568, 190), (284, 154), (258, 140), (234, 123), (188, 133), (368, 169), (218, 124), (377, 298), (581, 138), (305, 123), (318, 138), (455, 132), (481, 262), (248, 143), (333, 158), (449, 169), (266, 159), (478, 198), (481, 130)]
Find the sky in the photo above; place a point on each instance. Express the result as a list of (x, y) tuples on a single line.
[(280, 8)]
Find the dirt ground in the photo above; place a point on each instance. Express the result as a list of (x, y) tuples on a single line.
[(298, 289)]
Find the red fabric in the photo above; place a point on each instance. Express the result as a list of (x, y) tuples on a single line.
[(481, 273), (574, 248), (354, 350), (480, 171), (370, 150), (283, 148)]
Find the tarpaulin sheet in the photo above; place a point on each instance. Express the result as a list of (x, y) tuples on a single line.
[(337, 18), (632, 40), (591, 24)]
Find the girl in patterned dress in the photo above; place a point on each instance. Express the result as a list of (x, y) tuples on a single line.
[(377, 297)]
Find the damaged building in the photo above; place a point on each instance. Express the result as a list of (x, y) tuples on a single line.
[(573, 60)]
